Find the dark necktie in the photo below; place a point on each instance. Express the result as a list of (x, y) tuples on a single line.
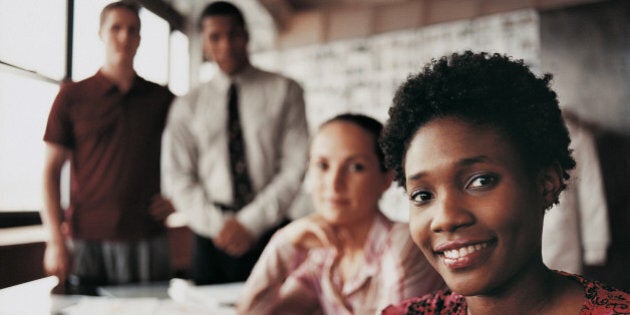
[(241, 184)]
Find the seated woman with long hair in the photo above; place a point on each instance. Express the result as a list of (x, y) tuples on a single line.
[(479, 144), (346, 257)]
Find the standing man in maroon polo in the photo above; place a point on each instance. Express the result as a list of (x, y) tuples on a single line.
[(109, 126)]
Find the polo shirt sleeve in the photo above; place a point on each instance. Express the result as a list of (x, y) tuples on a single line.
[(59, 128)]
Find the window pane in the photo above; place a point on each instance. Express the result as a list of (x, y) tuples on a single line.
[(24, 107), (179, 66), (87, 53), (152, 59), (27, 24)]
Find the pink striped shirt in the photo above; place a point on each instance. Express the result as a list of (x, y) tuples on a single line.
[(287, 280)]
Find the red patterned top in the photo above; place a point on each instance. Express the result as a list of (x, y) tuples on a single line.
[(600, 299)]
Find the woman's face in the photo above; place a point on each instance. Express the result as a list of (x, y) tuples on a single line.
[(474, 210), (346, 176)]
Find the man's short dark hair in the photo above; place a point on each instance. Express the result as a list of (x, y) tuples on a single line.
[(223, 8), (127, 5)]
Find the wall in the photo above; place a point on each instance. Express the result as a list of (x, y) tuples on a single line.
[(587, 48), (324, 21), (361, 75)]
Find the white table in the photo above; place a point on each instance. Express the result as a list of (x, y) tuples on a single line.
[(176, 297)]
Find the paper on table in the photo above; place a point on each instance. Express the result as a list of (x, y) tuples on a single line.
[(145, 290), (140, 306), (205, 297), (120, 306)]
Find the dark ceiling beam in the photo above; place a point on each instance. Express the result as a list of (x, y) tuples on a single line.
[(165, 11), (281, 11), (305, 22)]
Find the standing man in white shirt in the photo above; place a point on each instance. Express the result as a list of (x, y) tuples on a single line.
[(235, 186)]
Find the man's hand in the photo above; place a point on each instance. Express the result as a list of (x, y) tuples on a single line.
[(56, 260), (160, 208), (234, 238)]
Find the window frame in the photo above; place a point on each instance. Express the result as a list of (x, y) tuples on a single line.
[(176, 21)]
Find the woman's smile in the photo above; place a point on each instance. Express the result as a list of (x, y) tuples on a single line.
[(461, 255)]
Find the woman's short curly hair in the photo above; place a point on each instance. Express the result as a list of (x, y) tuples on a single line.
[(484, 89)]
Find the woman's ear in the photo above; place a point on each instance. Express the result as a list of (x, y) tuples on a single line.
[(551, 184)]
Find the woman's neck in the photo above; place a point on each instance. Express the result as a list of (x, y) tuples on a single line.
[(536, 290), (353, 236)]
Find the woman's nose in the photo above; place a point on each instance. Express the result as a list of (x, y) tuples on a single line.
[(451, 212), (337, 179)]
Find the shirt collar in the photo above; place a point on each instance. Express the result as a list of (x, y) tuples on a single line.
[(225, 79), (375, 244), (106, 86)]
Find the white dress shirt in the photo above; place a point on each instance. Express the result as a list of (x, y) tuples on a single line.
[(576, 231), (195, 159)]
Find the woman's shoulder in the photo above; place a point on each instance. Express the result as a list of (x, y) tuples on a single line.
[(440, 302), (601, 298)]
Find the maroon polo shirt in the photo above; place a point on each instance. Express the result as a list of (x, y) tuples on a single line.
[(115, 141)]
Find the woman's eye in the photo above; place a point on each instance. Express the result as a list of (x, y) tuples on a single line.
[(322, 166), (356, 167), (421, 196), (482, 182)]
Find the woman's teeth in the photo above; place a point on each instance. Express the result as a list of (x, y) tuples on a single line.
[(463, 251)]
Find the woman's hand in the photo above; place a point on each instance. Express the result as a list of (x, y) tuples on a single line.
[(310, 232)]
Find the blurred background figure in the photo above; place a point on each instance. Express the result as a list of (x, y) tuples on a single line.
[(576, 232), (347, 257), (109, 126), (234, 152)]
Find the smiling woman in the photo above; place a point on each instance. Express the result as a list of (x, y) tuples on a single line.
[(480, 146)]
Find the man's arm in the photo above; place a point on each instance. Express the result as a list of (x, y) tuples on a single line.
[(56, 260), (180, 178)]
